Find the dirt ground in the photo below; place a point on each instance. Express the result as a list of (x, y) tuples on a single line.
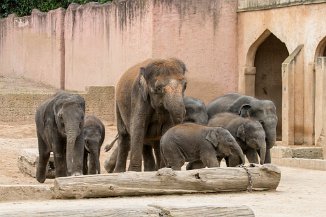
[(301, 192)]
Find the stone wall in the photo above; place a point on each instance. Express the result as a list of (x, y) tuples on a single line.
[(21, 107)]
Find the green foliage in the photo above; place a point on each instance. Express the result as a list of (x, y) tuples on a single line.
[(25, 7)]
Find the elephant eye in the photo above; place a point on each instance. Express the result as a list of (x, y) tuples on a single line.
[(184, 85), (159, 89)]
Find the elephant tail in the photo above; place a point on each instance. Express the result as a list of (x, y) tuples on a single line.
[(109, 146)]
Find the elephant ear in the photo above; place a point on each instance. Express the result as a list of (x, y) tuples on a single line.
[(143, 84), (245, 110), (241, 132), (212, 138)]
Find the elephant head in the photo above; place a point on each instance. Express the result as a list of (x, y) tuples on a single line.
[(195, 111), (225, 143), (263, 111), (163, 83), (253, 135), (69, 117)]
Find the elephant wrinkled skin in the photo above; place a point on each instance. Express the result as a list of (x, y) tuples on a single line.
[(249, 134), (94, 135), (192, 143), (195, 113), (263, 111), (59, 126), (149, 96)]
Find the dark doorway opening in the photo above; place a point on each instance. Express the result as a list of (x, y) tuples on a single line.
[(268, 82)]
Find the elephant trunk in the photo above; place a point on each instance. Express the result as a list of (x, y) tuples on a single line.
[(94, 164), (239, 152), (270, 131), (174, 104), (72, 134), (262, 153)]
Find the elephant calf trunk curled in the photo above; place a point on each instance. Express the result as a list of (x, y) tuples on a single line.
[(193, 142), (94, 134)]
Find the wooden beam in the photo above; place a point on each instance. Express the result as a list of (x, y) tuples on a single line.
[(167, 181)]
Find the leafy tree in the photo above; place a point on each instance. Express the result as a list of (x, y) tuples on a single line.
[(25, 7)]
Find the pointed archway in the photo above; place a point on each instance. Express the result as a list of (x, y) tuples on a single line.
[(268, 80)]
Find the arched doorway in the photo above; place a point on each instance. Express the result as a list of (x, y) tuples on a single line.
[(268, 80)]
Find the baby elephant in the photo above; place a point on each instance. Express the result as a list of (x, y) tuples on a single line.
[(249, 134), (94, 134), (197, 143)]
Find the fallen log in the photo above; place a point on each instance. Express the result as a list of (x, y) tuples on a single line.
[(106, 209), (28, 160), (167, 181)]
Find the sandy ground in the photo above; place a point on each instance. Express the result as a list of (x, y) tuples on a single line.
[(301, 192)]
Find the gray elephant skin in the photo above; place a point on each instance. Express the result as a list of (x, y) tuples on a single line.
[(249, 134), (94, 135), (263, 111), (148, 96), (195, 113), (59, 126), (192, 143)]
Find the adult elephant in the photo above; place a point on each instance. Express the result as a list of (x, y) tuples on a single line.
[(263, 111), (94, 135), (59, 127), (148, 93)]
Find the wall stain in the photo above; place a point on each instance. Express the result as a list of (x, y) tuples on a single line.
[(206, 8)]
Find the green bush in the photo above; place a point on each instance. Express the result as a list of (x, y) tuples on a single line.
[(25, 7)]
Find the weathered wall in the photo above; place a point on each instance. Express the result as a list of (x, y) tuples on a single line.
[(103, 41), (305, 28), (203, 35), (22, 106), (32, 46)]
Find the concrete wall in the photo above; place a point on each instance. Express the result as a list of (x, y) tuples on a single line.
[(295, 25), (202, 34), (32, 46), (102, 41)]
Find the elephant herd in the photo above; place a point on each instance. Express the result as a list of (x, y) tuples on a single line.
[(157, 126)]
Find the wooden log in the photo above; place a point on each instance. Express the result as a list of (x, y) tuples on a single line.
[(28, 160), (167, 181), (105, 209)]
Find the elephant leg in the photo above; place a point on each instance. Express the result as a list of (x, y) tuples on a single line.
[(156, 147), (60, 160), (171, 156), (122, 155), (148, 157), (110, 163), (233, 161), (208, 157), (44, 155), (85, 163), (251, 155), (198, 164)]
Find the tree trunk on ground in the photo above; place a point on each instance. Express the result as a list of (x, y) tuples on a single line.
[(167, 181)]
